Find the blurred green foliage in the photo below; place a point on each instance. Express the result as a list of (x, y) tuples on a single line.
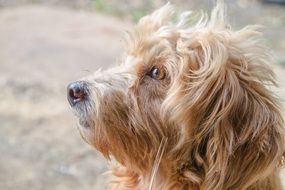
[(134, 13)]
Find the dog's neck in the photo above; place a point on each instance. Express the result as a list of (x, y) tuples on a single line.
[(163, 172), (164, 179), (167, 176), (127, 178)]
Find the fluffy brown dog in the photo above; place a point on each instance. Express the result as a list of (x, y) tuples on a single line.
[(188, 108)]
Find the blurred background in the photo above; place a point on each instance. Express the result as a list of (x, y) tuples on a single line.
[(44, 45)]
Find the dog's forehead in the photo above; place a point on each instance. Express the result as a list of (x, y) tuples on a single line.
[(130, 63)]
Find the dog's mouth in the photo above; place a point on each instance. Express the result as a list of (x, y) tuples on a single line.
[(81, 110)]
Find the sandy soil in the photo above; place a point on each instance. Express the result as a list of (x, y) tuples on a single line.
[(41, 50)]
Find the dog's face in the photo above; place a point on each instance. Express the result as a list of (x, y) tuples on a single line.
[(201, 87), (120, 109)]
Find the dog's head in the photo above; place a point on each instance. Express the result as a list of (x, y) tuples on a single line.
[(199, 89)]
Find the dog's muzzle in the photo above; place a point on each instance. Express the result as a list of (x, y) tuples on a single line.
[(76, 92)]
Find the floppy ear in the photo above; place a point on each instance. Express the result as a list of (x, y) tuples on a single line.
[(225, 109)]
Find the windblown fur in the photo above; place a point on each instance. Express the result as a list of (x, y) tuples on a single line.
[(208, 121)]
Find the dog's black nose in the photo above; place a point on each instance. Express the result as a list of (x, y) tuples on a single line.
[(76, 92)]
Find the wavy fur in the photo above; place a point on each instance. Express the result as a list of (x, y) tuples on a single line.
[(223, 124)]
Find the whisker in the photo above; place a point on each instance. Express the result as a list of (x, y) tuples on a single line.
[(157, 160)]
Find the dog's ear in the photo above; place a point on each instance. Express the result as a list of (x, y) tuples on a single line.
[(222, 102)]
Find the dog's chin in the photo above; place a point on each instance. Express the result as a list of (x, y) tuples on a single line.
[(86, 129), (84, 123)]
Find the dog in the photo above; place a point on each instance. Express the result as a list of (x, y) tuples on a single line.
[(189, 107)]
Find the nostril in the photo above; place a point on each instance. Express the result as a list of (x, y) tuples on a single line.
[(76, 92), (71, 93)]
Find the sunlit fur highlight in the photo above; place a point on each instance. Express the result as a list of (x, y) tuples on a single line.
[(212, 124)]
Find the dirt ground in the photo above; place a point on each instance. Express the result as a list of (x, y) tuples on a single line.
[(42, 49)]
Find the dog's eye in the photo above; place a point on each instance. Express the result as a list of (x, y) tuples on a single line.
[(157, 73)]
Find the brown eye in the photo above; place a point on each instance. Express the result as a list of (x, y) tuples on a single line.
[(157, 73)]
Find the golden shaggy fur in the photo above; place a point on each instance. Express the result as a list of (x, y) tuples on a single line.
[(189, 107)]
